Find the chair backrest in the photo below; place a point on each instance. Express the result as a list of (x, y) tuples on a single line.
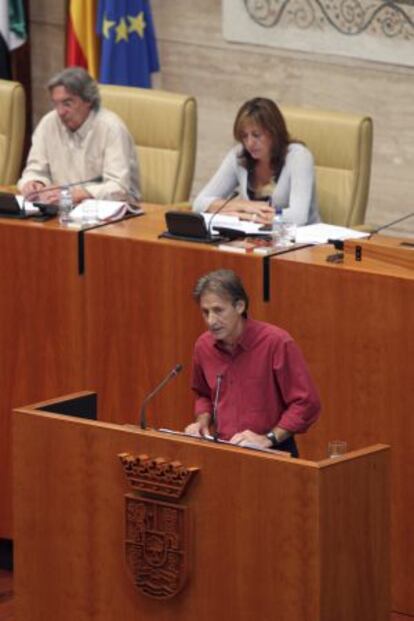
[(12, 130), (341, 144), (163, 126)]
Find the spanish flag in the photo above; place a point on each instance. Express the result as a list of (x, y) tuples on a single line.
[(82, 43)]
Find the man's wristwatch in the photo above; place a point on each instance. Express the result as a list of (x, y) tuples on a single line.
[(272, 437)]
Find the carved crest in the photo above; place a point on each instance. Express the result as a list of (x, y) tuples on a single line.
[(157, 541)]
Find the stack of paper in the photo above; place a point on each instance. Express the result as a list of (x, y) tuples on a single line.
[(103, 211)]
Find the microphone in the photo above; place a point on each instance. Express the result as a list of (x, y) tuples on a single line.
[(215, 405), (173, 373), (97, 179), (48, 209), (226, 202), (389, 224)]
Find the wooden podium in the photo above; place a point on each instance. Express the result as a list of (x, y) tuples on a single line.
[(180, 528)]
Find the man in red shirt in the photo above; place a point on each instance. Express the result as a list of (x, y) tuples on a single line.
[(250, 378)]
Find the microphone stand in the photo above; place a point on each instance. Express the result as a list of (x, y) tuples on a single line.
[(173, 373), (215, 406), (58, 186), (48, 210), (226, 202), (386, 226)]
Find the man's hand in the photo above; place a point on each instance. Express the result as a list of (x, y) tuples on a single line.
[(50, 197), (79, 194), (30, 189), (200, 427), (247, 437)]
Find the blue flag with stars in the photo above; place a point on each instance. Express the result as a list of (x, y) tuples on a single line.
[(128, 47)]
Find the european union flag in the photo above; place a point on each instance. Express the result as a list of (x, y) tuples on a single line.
[(128, 47)]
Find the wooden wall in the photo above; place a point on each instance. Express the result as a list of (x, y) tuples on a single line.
[(196, 59)]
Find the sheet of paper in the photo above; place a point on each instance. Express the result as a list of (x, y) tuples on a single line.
[(210, 438), (320, 233)]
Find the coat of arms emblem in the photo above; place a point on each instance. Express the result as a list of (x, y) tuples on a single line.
[(157, 526)]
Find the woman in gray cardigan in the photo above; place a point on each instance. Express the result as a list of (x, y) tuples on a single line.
[(269, 169)]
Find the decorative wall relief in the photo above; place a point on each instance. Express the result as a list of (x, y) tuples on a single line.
[(380, 30)]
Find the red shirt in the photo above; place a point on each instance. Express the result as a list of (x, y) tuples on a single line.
[(265, 382)]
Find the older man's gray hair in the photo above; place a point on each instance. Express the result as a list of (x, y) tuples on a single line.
[(77, 81)]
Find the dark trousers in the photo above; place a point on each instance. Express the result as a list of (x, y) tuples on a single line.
[(289, 446)]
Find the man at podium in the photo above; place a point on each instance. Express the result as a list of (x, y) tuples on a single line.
[(250, 378)]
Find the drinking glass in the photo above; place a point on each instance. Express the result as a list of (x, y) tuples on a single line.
[(336, 448)]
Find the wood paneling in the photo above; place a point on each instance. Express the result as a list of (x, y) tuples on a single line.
[(6, 596), (41, 326), (387, 250), (358, 491), (354, 324)]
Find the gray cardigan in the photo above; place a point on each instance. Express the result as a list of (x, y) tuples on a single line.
[(294, 192)]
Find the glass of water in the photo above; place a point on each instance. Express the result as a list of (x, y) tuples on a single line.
[(336, 448), (65, 205), (290, 232)]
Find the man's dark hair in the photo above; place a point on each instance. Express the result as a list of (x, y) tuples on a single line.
[(224, 283), (77, 81)]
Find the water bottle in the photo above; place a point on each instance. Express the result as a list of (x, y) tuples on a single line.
[(65, 205), (279, 229)]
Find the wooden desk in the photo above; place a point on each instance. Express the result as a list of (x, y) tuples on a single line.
[(354, 322), (269, 537), (41, 326)]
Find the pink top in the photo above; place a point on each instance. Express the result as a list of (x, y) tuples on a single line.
[(264, 382)]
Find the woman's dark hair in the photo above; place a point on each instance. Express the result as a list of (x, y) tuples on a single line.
[(224, 283), (265, 113)]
